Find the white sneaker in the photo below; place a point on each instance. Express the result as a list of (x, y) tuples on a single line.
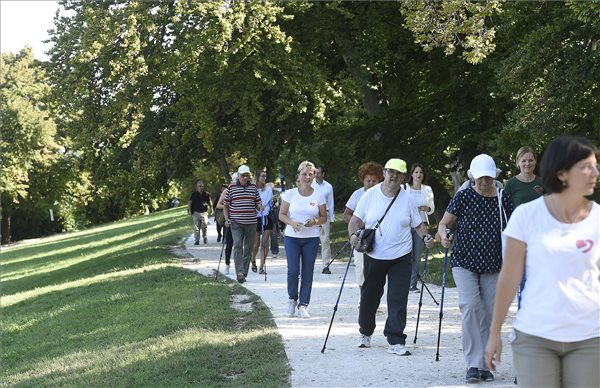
[(303, 312), (364, 341), (398, 349), (291, 307), (226, 270)]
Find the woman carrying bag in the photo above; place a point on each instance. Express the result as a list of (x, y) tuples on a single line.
[(392, 212)]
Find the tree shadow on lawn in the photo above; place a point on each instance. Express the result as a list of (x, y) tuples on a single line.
[(137, 250), (21, 256), (165, 327)]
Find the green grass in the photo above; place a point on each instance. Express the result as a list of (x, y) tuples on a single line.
[(435, 262), (111, 306)]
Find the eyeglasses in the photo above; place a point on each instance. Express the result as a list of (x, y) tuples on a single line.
[(394, 172)]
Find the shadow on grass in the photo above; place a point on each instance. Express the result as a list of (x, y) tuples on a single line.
[(70, 242), (162, 327), (139, 248)]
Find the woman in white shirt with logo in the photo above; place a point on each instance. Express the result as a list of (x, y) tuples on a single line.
[(303, 209), (423, 196), (556, 338)]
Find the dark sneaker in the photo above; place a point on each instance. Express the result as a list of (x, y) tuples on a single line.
[(414, 290), (472, 375), (241, 278), (486, 375), (218, 238), (197, 242), (205, 240), (326, 271)]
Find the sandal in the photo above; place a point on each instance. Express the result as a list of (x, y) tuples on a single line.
[(254, 267), (261, 271)]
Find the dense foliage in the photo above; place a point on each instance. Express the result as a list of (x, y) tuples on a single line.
[(148, 96)]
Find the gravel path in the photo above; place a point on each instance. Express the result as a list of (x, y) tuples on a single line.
[(343, 364)]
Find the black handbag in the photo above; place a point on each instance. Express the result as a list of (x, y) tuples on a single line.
[(367, 236)]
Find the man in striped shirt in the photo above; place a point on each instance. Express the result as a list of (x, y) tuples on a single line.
[(239, 208)]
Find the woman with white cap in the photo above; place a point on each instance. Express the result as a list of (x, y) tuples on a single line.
[(480, 213), (393, 212)]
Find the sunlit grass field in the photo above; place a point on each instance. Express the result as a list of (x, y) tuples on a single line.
[(112, 306)]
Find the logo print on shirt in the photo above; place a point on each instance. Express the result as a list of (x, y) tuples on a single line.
[(313, 203), (584, 245), (538, 189)]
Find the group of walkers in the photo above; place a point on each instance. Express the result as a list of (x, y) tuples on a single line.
[(538, 236)]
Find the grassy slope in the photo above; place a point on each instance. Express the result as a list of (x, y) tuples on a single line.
[(111, 306)]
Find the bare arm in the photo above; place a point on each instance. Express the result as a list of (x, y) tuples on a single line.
[(354, 225), (348, 214), (506, 288), (422, 232), (284, 216), (447, 222)]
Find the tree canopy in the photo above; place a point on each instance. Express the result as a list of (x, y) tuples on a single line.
[(147, 96)]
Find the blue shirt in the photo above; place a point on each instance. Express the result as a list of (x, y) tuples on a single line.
[(477, 244)]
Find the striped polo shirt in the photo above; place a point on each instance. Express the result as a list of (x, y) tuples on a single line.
[(242, 203)]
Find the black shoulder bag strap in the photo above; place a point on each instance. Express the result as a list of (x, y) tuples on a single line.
[(386, 210)]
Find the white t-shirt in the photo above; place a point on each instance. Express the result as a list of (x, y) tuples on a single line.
[(393, 238), (327, 192), (354, 198), (422, 197), (266, 196), (561, 298), (302, 209)]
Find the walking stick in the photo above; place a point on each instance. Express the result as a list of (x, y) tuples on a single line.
[(423, 285), (221, 255), (421, 296), (437, 353), (338, 253), (338, 299)]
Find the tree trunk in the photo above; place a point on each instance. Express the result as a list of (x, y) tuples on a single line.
[(372, 98)]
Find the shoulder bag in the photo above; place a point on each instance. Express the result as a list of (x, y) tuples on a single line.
[(367, 236)]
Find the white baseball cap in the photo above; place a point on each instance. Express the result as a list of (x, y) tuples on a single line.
[(243, 170), (483, 165)]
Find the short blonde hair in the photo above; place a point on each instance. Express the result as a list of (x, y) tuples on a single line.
[(306, 164)]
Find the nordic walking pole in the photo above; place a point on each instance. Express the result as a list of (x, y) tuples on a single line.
[(221, 255), (338, 299), (421, 296), (437, 353), (263, 248), (423, 285), (338, 253)]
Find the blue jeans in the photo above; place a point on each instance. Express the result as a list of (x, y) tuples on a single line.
[(301, 256)]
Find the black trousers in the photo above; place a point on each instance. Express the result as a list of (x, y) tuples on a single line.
[(228, 244), (398, 273)]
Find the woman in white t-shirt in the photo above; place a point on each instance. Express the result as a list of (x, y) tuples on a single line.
[(423, 196), (303, 209), (370, 174), (556, 338), (390, 258)]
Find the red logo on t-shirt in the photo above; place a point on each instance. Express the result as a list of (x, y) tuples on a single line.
[(584, 245), (538, 189)]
